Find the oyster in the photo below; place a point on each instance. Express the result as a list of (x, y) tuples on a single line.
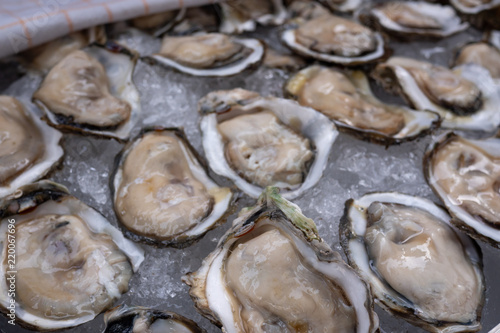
[(162, 193), (210, 54), (417, 264), (91, 91), (159, 23), (334, 39), (29, 148), (346, 98), (241, 15), (245, 285), (482, 54), (198, 19), (343, 5), (257, 141), (275, 59), (466, 97), (465, 175), (482, 13), (404, 18), (71, 263), (143, 320)]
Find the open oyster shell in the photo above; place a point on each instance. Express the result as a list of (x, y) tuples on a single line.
[(140, 319), (466, 97), (418, 266), (70, 264), (268, 140), (481, 54), (162, 193), (346, 98), (481, 13), (29, 148), (337, 299), (334, 39), (210, 54), (242, 15), (66, 104), (418, 19), (465, 175)]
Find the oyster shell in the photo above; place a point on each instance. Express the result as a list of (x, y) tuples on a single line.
[(241, 15), (334, 39), (465, 175), (419, 267), (159, 23), (140, 319), (210, 54), (257, 141), (312, 290), (346, 98), (162, 193), (465, 97), (29, 148), (91, 91), (71, 263), (481, 13), (419, 18), (482, 54)]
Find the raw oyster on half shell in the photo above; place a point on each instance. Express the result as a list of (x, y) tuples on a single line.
[(272, 272), (70, 262), (346, 98), (257, 141), (482, 54), (162, 193), (418, 266)]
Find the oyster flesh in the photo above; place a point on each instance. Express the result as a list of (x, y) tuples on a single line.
[(71, 263), (346, 98), (242, 15), (211, 54), (419, 18), (418, 266), (162, 194), (29, 148), (482, 54), (334, 39), (91, 91), (257, 141), (465, 97), (465, 175), (137, 319), (271, 272)]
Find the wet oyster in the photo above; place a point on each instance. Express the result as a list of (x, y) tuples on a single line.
[(91, 91), (404, 18), (198, 19), (418, 265), (210, 54), (481, 54), (465, 175), (312, 290), (346, 98), (162, 193), (481, 13), (136, 319), (241, 15), (71, 263), (275, 59), (465, 97), (159, 23), (334, 39), (29, 148), (257, 141)]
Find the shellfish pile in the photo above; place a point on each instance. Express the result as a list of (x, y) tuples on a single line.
[(220, 155)]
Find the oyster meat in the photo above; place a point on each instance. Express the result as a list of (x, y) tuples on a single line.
[(29, 148), (162, 194), (419, 18), (91, 91), (212, 54), (346, 98), (419, 267), (245, 284), (482, 54), (465, 97), (334, 39), (241, 15), (465, 175), (258, 141), (71, 263), (136, 319)]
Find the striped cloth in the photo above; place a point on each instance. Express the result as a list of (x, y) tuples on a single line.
[(27, 23)]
